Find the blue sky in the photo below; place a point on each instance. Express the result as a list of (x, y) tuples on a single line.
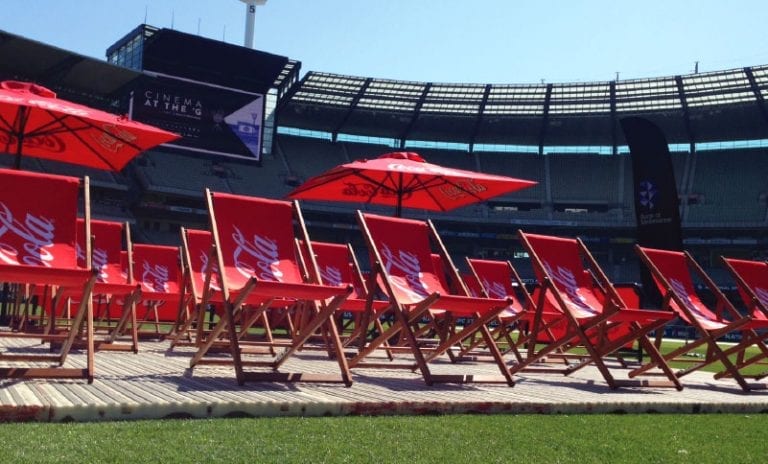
[(485, 41)]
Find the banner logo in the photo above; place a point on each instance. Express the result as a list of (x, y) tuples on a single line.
[(647, 193), (246, 125)]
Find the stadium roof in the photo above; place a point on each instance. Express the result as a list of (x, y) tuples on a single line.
[(703, 107), (83, 79)]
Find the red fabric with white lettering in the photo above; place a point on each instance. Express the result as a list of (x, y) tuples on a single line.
[(496, 278), (256, 239), (156, 269), (404, 247), (107, 246), (333, 263), (755, 275), (199, 243), (38, 225), (563, 266), (672, 265), (473, 285)]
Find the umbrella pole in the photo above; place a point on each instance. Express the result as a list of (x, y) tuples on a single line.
[(399, 207), (20, 137), (19, 143)]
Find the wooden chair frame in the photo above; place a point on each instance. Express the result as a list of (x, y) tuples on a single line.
[(728, 318), (322, 300), (62, 281), (609, 328), (483, 310)]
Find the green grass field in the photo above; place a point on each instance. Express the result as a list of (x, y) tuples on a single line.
[(409, 439)]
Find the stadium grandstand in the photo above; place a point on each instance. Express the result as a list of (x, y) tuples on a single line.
[(565, 136)]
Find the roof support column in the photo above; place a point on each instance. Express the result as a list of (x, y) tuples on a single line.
[(758, 94), (415, 116), (479, 119), (352, 106), (545, 119), (614, 136)]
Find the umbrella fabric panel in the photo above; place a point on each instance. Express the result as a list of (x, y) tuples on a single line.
[(33, 122), (405, 179)]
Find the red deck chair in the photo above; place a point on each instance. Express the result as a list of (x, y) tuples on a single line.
[(38, 237), (499, 279), (157, 270), (257, 259), (199, 263), (752, 284), (672, 272), (200, 273), (600, 323), (338, 266), (114, 294), (401, 255)]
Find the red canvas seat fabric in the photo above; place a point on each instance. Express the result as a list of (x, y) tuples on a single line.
[(405, 267), (157, 270), (498, 279), (258, 260), (752, 283), (114, 291), (570, 279), (107, 248), (38, 237), (200, 262), (338, 266), (673, 273)]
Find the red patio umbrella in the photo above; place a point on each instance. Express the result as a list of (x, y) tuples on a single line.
[(33, 122), (405, 179)]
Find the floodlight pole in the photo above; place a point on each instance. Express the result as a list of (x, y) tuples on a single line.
[(250, 19)]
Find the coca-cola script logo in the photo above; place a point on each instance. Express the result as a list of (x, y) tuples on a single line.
[(258, 257), (410, 283), (494, 289), (49, 143), (205, 262), (400, 167), (154, 277), (461, 189), (366, 190), (567, 280), (37, 233), (762, 296), (679, 288), (112, 138), (98, 261), (331, 275)]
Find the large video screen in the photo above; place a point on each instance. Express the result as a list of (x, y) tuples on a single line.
[(209, 118)]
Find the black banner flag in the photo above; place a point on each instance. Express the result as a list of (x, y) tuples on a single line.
[(655, 191)]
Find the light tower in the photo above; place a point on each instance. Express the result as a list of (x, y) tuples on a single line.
[(250, 19)]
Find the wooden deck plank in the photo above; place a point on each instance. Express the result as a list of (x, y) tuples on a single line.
[(157, 383)]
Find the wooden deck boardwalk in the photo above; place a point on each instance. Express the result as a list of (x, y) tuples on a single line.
[(157, 383)]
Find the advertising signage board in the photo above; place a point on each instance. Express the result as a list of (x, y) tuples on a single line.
[(210, 119)]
